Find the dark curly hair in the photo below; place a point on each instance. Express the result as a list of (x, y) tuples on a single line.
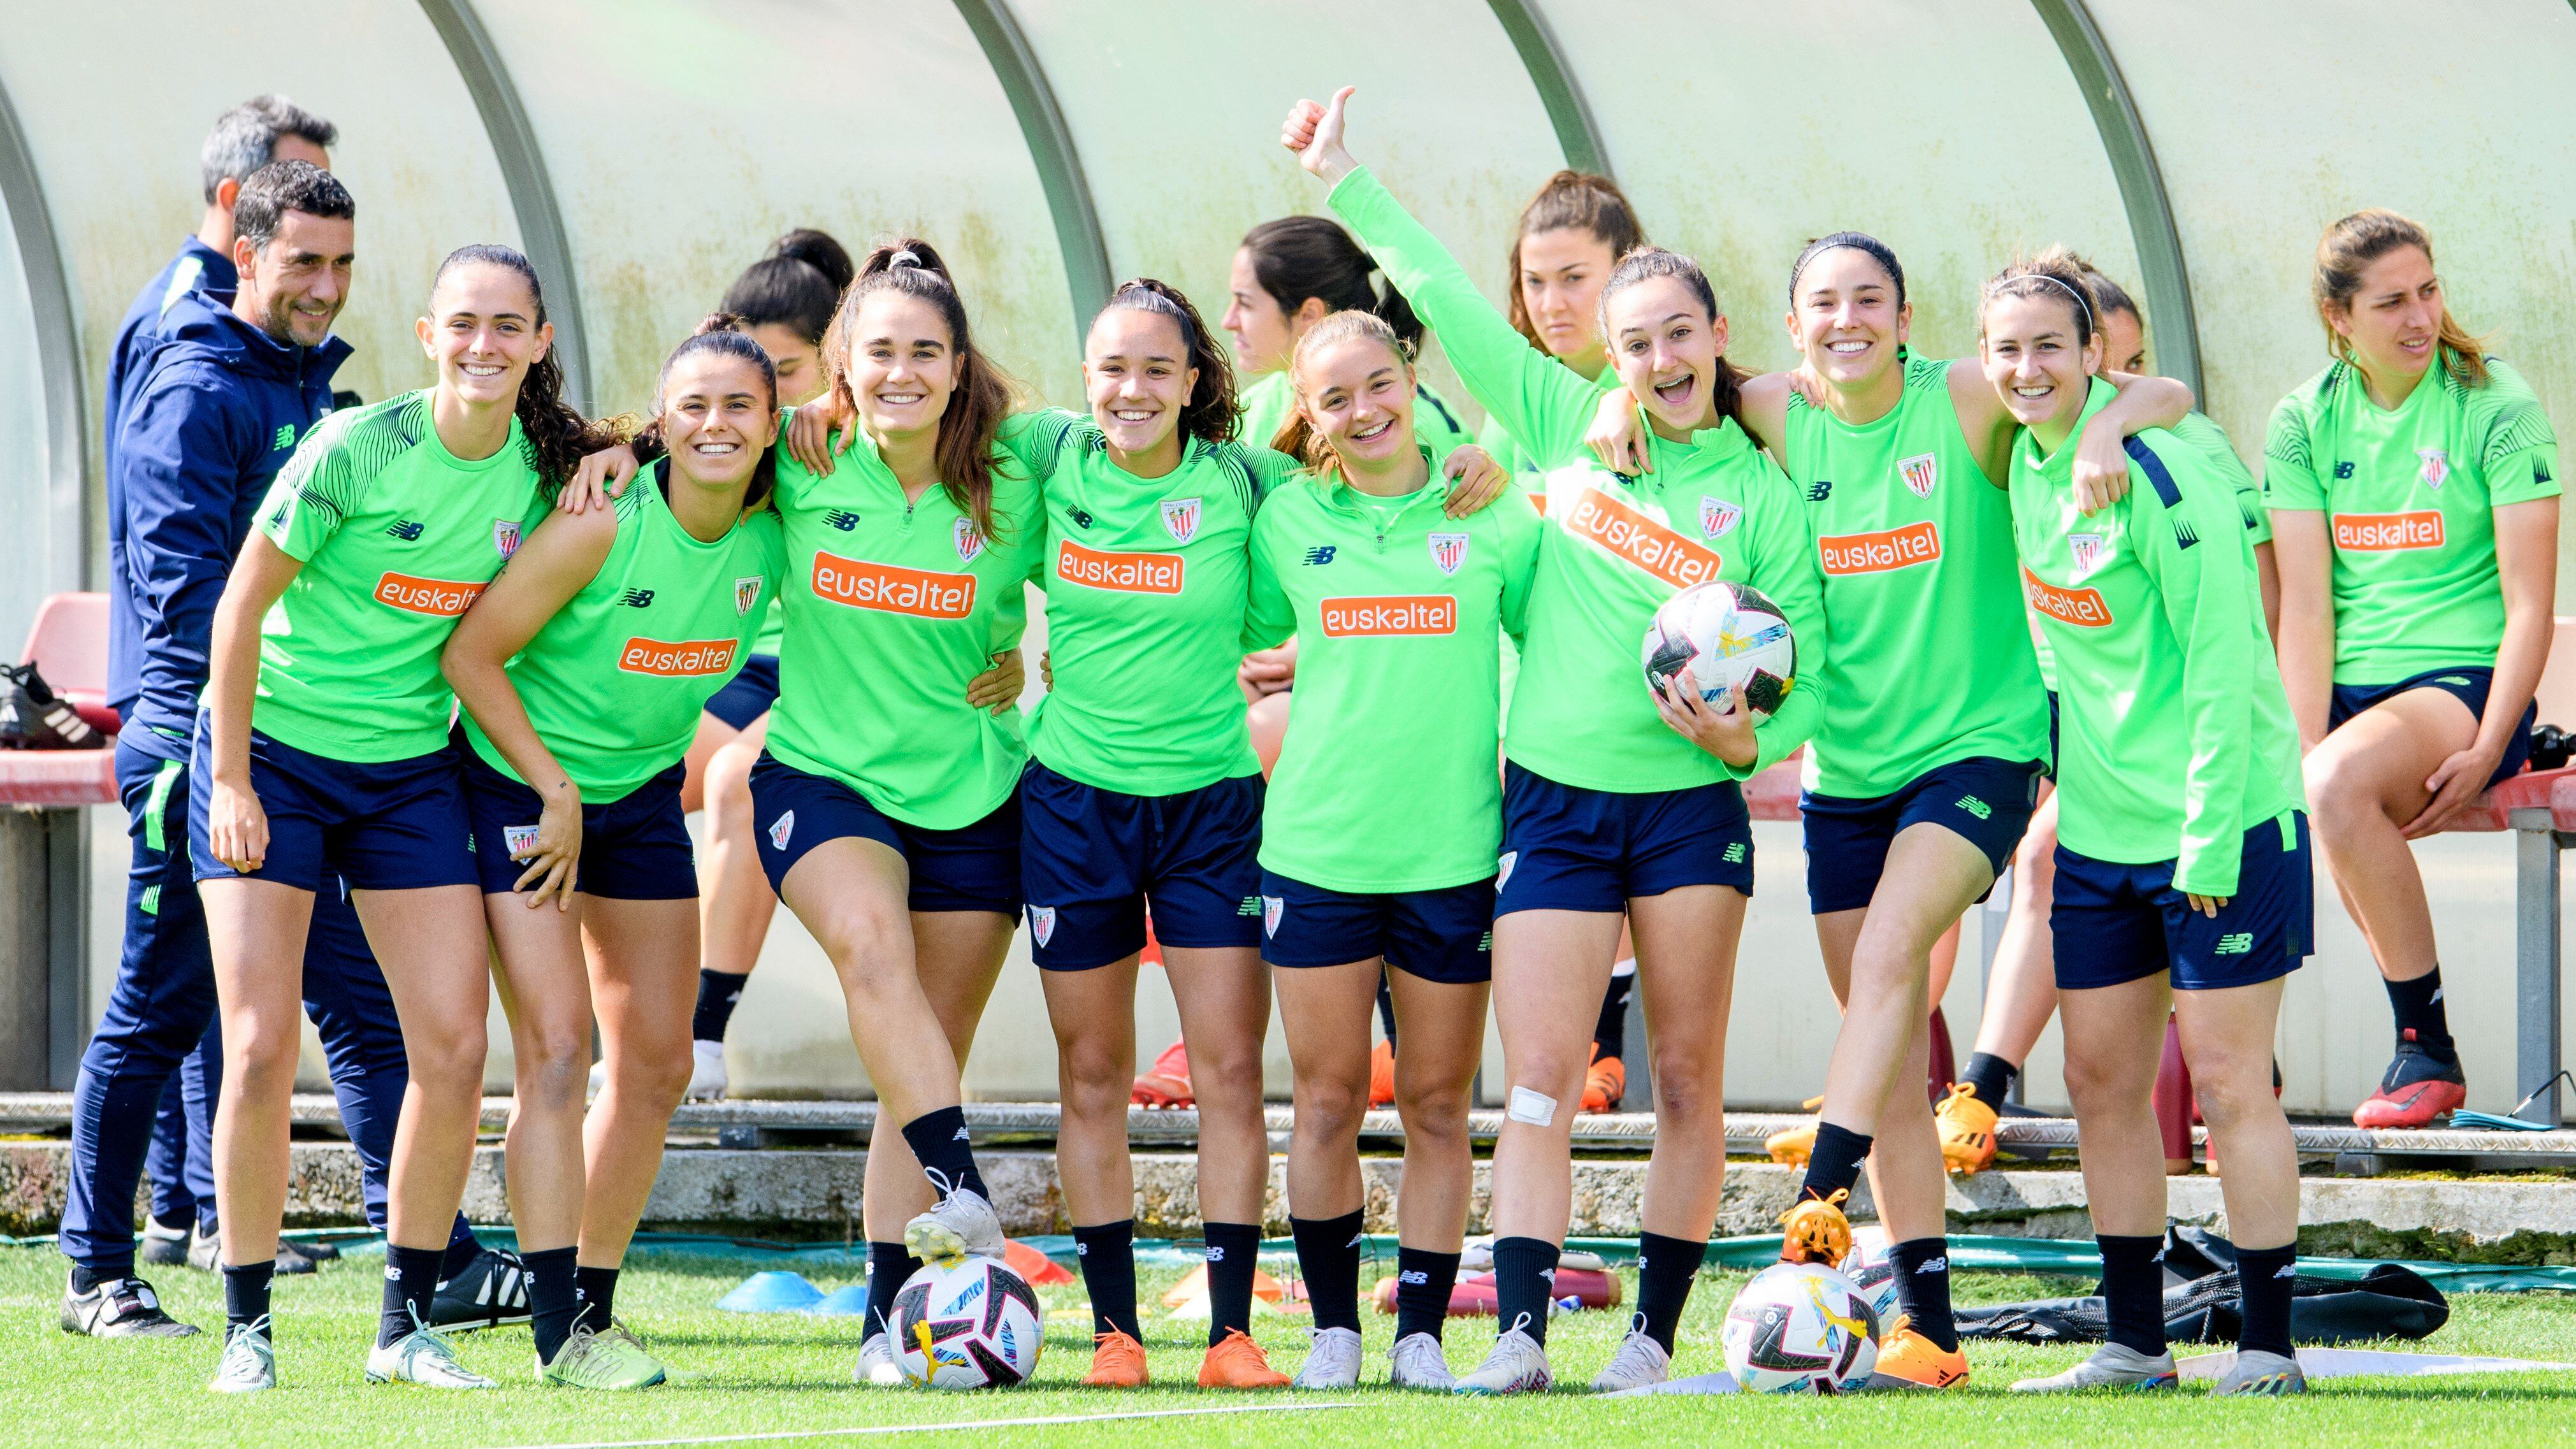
[(555, 434)]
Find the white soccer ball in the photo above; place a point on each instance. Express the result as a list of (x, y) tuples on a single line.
[(1801, 1328), (1874, 1274), (968, 1325), (1728, 634)]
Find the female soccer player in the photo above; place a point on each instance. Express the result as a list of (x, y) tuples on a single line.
[(374, 538), (2414, 504), (1572, 233), (584, 669), (1918, 782), (1383, 820), (2182, 863), (1615, 795), (1288, 275)]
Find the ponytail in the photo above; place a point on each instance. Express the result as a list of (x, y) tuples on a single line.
[(1211, 415), (976, 406), (1726, 389), (1297, 257), (553, 433)]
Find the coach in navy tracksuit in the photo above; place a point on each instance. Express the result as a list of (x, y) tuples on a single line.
[(226, 386)]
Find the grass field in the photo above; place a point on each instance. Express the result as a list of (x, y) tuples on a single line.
[(791, 1372)]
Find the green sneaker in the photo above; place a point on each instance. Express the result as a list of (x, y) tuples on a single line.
[(591, 1360), (249, 1363)]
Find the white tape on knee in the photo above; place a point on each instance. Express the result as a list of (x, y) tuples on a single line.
[(1538, 1109)]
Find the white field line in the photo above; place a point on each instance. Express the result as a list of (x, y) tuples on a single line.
[(1049, 1419)]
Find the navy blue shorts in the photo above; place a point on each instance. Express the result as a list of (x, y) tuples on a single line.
[(2117, 923), (1984, 801), (635, 848), (971, 868), (1567, 848), (1444, 935), (1092, 859), (748, 695), (2468, 685), (394, 825)]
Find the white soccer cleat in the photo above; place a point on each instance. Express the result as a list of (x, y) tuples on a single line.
[(706, 1071), (1517, 1365), (1640, 1363), (1419, 1363), (2112, 1366), (877, 1366), (1332, 1360), (424, 1357), (963, 1223), (2257, 1372), (249, 1363)]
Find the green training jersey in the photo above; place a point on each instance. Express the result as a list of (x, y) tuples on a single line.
[(1615, 547), (1386, 781), (1497, 439), (1267, 400), (1145, 582), (615, 680), (773, 627), (2409, 495), (397, 537), (892, 607), (1916, 549), (2176, 735)]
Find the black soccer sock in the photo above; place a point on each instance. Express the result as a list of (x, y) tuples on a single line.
[(2264, 1276), (938, 1142), (2133, 1291), (85, 1278), (1610, 1033), (2417, 1005), (1524, 1275), (246, 1292), (1423, 1283), (1328, 1254), (1990, 1078), (1386, 1009), (595, 1290), (462, 1248), (718, 993), (411, 1286), (553, 1300), (1666, 1268), (1835, 1163), (889, 1267), (1108, 1257), (1233, 1253), (1923, 1289)]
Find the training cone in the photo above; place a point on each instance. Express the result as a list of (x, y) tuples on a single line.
[(1264, 1288), (1035, 1267), (772, 1292), (848, 1301)]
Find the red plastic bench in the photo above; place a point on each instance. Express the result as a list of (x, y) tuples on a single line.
[(69, 642)]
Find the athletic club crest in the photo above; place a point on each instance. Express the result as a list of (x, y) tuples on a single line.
[(1716, 516), (1272, 908), (519, 840), (969, 542), (2087, 549), (505, 536), (1920, 472), (746, 592), (1503, 868), (1181, 518), (2437, 466), (1448, 551), (779, 830), (1042, 923)]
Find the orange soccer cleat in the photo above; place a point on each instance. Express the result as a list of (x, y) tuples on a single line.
[(1917, 1362), (1792, 1146), (1167, 1082), (1382, 1075), (1967, 1128), (1117, 1362), (1236, 1362), (1605, 1084)]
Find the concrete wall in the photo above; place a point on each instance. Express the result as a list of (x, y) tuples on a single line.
[(665, 142)]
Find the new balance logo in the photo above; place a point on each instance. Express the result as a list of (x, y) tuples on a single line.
[(842, 519), (1320, 554), (404, 529), (2343, 470), (1251, 907), (285, 437), (1976, 807), (1932, 1265), (1215, 1254), (1820, 490), (636, 598), (2286, 1270), (2456, 681), (1414, 1276), (2234, 943), (1734, 853)]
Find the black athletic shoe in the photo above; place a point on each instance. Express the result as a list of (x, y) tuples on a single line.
[(206, 1251), (120, 1308), (491, 1291), (165, 1246)]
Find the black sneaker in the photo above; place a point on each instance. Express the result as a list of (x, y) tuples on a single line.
[(165, 1246), (120, 1308), (491, 1290), (205, 1253)]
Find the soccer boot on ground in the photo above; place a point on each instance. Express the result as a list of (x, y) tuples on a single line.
[(2417, 1088), (1517, 1365), (2112, 1366), (1815, 1230), (1967, 1128), (1640, 1363), (165, 1245), (1908, 1360), (249, 1363), (1167, 1082), (1332, 1360), (963, 1223), (1382, 1075), (120, 1308), (604, 1361), (1792, 1146), (206, 1251), (1236, 1362), (1417, 1362), (1605, 1084), (877, 1366), (2257, 1372), (489, 1291), (1117, 1362), (424, 1357)]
